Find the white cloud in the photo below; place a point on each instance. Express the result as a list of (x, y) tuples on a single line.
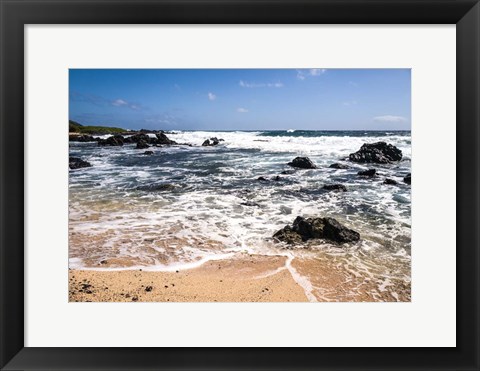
[(212, 96), (242, 110), (124, 103), (303, 74), (119, 103), (245, 84), (389, 118), (300, 75), (317, 71)]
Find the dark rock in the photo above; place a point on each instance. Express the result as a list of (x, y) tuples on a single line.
[(335, 187), (103, 262), (163, 139), (288, 235), (148, 288), (339, 166), (262, 179), (137, 138), (390, 181), (212, 142), (369, 172), (277, 178), (334, 231), (313, 228), (159, 139), (77, 163), (81, 138), (287, 172), (157, 187), (408, 178), (304, 228), (380, 152), (148, 153), (141, 144), (250, 203), (114, 140), (302, 163)]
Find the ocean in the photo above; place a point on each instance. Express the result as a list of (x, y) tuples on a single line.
[(185, 205)]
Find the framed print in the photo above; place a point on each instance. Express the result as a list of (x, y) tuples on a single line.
[(239, 191)]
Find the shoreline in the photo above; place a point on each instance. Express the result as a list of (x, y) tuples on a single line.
[(242, 278), (255, 278)]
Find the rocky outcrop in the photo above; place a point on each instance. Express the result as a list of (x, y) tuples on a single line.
[(212, 142), (137, 138), (369, 172), (288, 235), (337, 232), (114, 140), (159, 139), (163, 139), (302, 163), (380, 152), (81, 138), (408, 178), (304, 229), (335, 187), (147, 153), (390, 181), (77, 163), (339, 166), (141, 144)]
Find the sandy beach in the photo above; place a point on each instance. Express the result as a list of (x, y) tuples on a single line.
[(244, 278)]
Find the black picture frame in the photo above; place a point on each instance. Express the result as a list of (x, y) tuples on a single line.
[(15, 14)]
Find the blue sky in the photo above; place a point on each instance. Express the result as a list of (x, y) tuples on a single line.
[(242, 99)]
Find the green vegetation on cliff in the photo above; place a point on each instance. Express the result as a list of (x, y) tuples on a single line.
[(75, 127)]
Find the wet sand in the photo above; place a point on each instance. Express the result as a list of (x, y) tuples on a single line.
[(243, 279), (337, 282)]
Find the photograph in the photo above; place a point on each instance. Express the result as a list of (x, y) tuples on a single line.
[(239, 185)]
